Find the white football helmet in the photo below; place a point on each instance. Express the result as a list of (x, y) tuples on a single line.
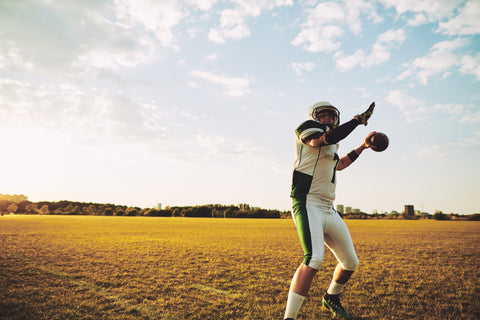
[(321, 106)]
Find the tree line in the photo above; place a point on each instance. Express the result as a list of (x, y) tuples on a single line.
[(66, 207)]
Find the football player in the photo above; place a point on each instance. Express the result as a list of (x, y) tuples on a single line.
[(313, 193)]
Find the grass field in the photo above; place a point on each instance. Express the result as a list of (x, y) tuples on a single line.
[(92, 267)]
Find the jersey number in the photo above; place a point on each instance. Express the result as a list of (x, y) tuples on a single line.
[(335, 158)]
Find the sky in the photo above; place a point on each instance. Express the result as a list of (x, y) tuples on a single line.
[(191, 102)]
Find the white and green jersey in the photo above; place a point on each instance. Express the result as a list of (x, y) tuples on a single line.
[(314, 167)]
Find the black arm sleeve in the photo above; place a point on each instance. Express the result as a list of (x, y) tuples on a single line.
[(341, 132)]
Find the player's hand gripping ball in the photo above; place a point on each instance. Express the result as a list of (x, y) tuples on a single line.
[(378, 142)]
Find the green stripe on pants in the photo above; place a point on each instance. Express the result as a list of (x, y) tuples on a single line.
[(303, 227)]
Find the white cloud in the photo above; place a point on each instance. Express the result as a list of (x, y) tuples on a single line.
[(320, 30), (188, 115), (417, 20), (300, 67), (193, 84), (471, 117), (345, 63), (472, 141), (204, 5), (84, 117), (439, 61), (363, 91), (433, 9), (319, 39), (415, 109), (29, 39), (436, 151), (470, 65), (114, 58), (204, 147), (156, 17), (400, 99), (211, 56), (233, 23), (354, 9), (467, 22), (121, 34), (450, 108), (379, 53), (232, 26), (58, 37), (207, 147), (211, 145), (412, 108), (251, 154), (192, 32), (325, 24), (234, 86), (391, 36)]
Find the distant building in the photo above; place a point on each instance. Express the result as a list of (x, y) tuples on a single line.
[(159, 206), (409, 210), (419, 213), (348, 210)]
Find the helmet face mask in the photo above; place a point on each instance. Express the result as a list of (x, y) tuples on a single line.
[(320, 108)]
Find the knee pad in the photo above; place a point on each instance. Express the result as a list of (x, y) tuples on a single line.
[(351, 264), (315, 262)]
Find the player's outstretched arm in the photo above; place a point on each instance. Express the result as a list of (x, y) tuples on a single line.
[(353, 155)]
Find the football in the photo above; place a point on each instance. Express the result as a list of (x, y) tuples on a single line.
[(378, 142)]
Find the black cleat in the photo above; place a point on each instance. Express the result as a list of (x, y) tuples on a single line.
[(332, 302)]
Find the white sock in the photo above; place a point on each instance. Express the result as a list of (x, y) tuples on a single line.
[(294, 303), (335, 288)]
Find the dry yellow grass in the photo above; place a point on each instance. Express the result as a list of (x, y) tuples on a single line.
[(91, 267)]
